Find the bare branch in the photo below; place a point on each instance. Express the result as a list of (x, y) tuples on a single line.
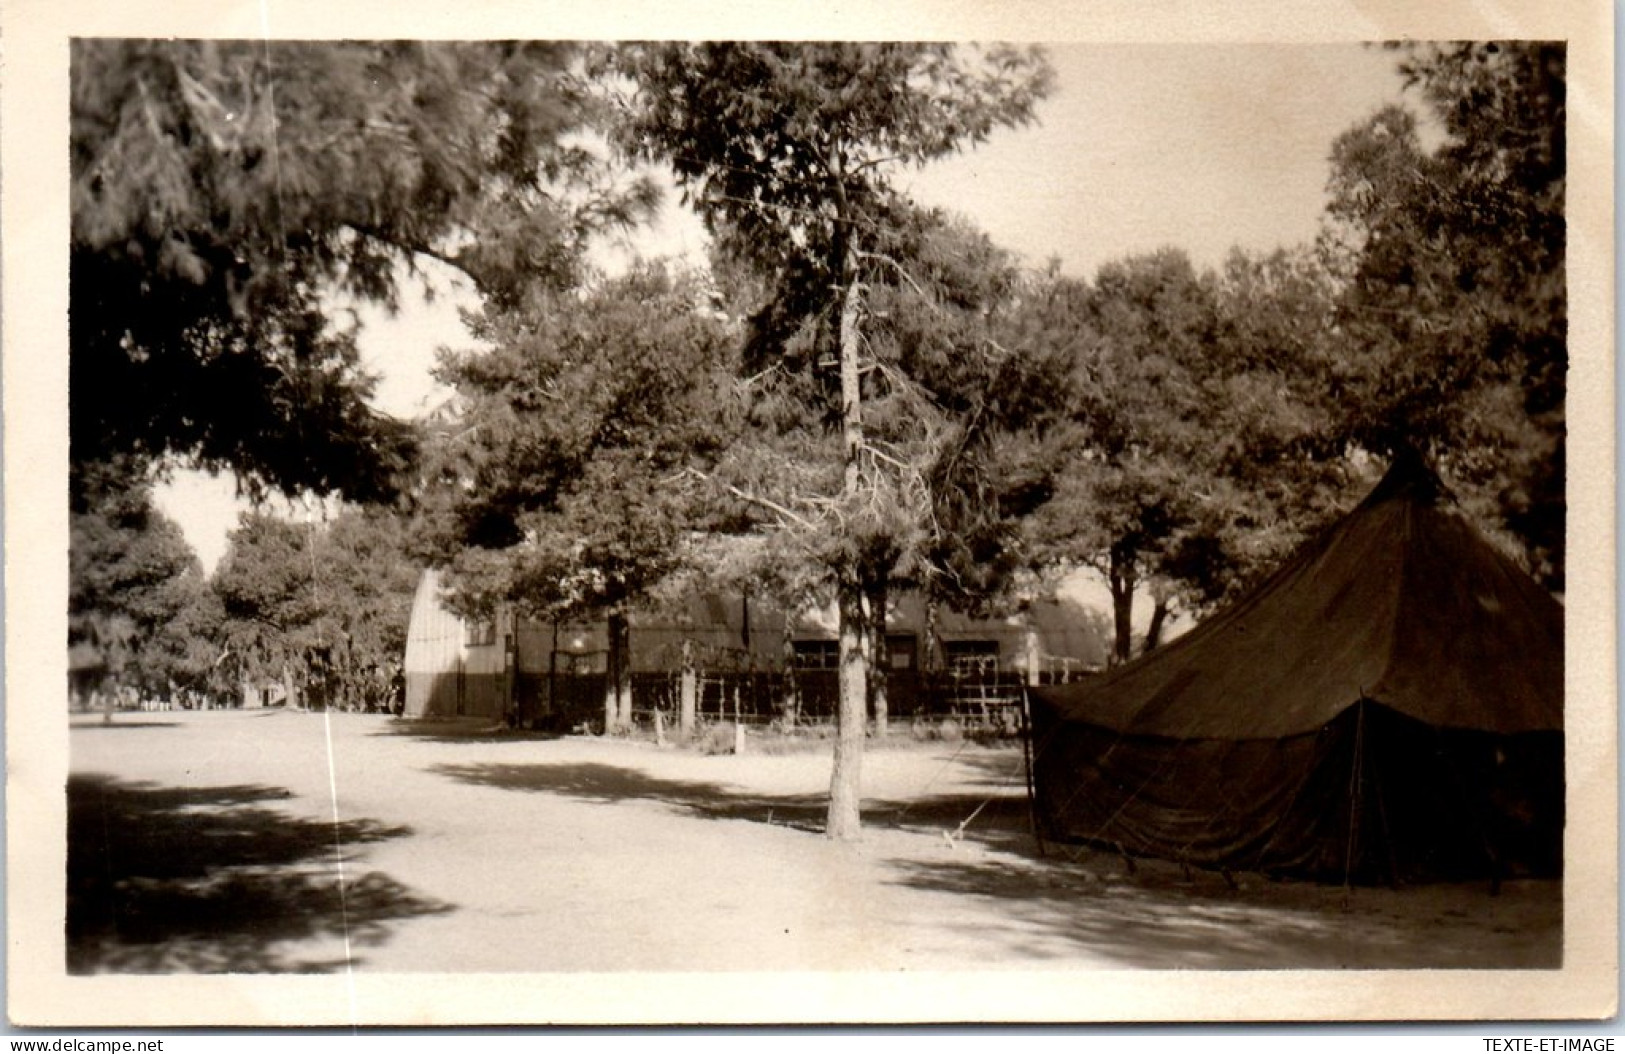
[(875, 162), (749, 382), (901, 270), (412, 246), (754, 499)]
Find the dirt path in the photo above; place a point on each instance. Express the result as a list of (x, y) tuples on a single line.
[(211, 841)]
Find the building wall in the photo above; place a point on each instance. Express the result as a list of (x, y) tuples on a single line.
[(453, 669), (256, 694)]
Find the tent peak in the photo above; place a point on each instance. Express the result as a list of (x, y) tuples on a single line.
[(1410, 478)]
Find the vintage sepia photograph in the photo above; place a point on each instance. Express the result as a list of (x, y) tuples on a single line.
[(934, 526)]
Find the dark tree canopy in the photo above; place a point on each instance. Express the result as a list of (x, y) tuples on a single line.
[(320, 607), (560, 483), (1456, 309), (787, 151), (267, 586), (134, 585), (227, 197), (786, 148), (1184, 452)]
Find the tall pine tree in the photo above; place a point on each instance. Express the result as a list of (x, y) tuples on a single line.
[(786, 151)]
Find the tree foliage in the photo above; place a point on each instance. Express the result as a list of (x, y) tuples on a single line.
[(267, 585), (562, 485), (787, 153), (321, 608), (1191, 455), (135, 588), (785, 149), (1124, 497), (1456, 309), (935, 386), (367, 579), (561, 482), (1279, 476), (228, 197)]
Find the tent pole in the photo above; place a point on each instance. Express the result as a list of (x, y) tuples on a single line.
[(1354, 794), (1027, 759)]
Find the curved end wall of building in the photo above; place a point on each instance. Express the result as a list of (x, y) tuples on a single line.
[(446, 676)]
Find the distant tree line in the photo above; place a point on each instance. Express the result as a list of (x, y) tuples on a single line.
[(857, 395), (313, 613)]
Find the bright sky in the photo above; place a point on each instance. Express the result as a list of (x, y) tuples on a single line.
[(1202, 147), (1197, 146)]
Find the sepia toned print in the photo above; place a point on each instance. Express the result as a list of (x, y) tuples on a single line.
[(888, 519)]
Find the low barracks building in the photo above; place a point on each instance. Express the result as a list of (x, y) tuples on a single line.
[(754, 663)]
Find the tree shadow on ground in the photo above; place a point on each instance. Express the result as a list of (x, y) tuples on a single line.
[(1063, 900), (461, 730), (1160, 917), (92, 725), (998, 822), (213, 879)]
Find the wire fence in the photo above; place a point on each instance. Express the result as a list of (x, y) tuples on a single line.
[(983, 701)]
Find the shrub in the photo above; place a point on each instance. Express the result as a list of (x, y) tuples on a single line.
[(716, 739)]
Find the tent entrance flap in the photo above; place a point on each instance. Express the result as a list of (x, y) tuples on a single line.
[(1373, 797)]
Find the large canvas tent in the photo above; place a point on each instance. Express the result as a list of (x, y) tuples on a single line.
[(1387, 707)]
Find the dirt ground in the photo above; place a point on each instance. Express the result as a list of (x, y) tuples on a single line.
[(280, 841)]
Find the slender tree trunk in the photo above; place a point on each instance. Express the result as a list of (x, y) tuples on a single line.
[(618, 675), (553, 707), (792, 690), (1161, 602), (879, 653), (687, 693), (510, 669), (845, 788), (930, 658), (612, 674), (290, 696), (612, 712), (624, 685), (1122, 580), (1034, 649)]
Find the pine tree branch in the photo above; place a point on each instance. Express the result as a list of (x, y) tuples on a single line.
[(415, 247), (901, 270), (753, 499)]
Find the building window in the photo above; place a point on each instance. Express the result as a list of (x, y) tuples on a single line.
[(902, 651), (816, 654), (972, 657), (480, 633)]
